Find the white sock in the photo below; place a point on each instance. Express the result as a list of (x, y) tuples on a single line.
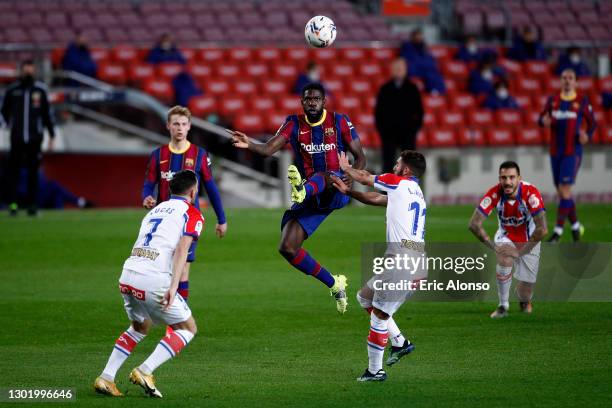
[(558, 230), (122, 350), (576, 226), (377, 340), (168, 347), (397, 339), (504, 280)]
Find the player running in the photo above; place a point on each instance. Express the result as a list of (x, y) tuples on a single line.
[(179, 155), (565, 114), (406, 210), (149, 284), (522, 225), (316, 137)]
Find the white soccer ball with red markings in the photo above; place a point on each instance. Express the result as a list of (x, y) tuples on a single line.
[(320, 32)]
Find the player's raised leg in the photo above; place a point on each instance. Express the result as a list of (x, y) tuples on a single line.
[(303, 190), (127, 341), (292, 238)]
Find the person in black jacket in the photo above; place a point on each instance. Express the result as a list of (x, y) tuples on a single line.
[(26, 111), (398, 113)]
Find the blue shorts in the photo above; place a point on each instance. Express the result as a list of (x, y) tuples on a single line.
[(192, 251), (310, 214), (565, 168)]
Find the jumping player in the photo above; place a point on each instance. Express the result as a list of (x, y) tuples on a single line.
[(316, 137), (406, 210), (569, 115), (522, 225), (149, 284), (179, 155)]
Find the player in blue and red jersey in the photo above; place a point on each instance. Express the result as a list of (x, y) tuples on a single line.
[(569, 115), (316, 137), (169, 159)]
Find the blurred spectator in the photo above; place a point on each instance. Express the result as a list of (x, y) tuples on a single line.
[(311, 75), (572, 60), (483, 78), (165, 51), (398, 114), (422, 64), (606, 100), (184, 88), (500, 98), (78, 58), (469, 52), (526, 47), (51, 194), (26, 109)]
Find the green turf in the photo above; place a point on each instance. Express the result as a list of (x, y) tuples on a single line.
[(269, 336)]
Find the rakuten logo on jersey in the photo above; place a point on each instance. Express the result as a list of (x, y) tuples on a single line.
[(167, 175), (559, 114), (318, 148)]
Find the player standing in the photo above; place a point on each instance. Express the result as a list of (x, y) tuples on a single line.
[(406, 211), (179, 155), (565, 114), (522, 225), (316, 137), (149, 284)]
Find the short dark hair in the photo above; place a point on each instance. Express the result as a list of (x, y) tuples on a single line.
[(182, 182), (509, 164), (415, 162), (313, 86)]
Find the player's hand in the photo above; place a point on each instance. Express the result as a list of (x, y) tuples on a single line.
[(168, 298), (583, 137), (239, 139), (348, 181), (507, 251), (149, 202), (546, 119), (344, 161), (221, 230), (339, 184)]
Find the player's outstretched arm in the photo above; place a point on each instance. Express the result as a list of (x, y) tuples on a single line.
[(357, 150), (369, 198), (476, 227), (541, 230), (360, 176), (178, 263), (242, 141)]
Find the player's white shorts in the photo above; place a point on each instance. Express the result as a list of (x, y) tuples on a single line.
[(390, 298), (142, 296), (525, 267)]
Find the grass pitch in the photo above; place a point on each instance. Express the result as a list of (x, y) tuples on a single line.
[(270, 336)]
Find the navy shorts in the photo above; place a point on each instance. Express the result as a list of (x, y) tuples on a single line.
[(310, 214), (192, 251), (565, 168)]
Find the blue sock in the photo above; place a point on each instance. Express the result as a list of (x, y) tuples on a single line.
[(315, 185), (307, 264), (183, 289)]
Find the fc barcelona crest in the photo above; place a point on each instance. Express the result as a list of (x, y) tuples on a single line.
[(329, 131), (576, 105), (188, 162)]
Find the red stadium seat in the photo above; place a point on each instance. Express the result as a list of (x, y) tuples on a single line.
[(442, 138), (586, 84), (451, 119), (523, 101), (354, 56), (290, 104), (230, 71), (342, 70), (335, 86), (244, 87), (139, 73), (429, 120), (8, 72), (285, 72), (324, 55), (528, 86), (257, 70), (360, 86), (434, 103), (605, 134), (442, 52), (508, 117), (513, 68), (203, 105), (481, 118), (369, 69), (160, 89), (216, 86), (537, 69), (268, 55), (499, 137), (263, 104), (274, 120), (471, 137), (100, 54), (199, 71), (274, 87), (455, 69), (113, 73), (211, 55), (189, 54), (348, 104), (125, 54), (605, 84), (169, 69), (364, 121), (383, 54), (531, 117), (531, 135), (232, 105), (421, 139), (464, 101), (296, 55), (240, 55), (250, 123)]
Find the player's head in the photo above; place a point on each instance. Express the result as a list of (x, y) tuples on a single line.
[(27, 68), (568, 80), (179, 123), (184, 183), (509, 177), (313, 100), (410, 164), (399, 69)]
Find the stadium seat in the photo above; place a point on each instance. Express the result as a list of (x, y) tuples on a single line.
[(429, 120), (211, 55), (537, 69), (296, 55), (442, 138), (274, 87), (456, 70), (203, 105), (140, 73), (8, 72), (524, 101), (463, 101), (354, 56), (113, 73), (232, 105), (99, 54), (471, 137), (528, 86), (290, 104), (268, 55), (160, 89), (499, 137), (481, 118), (285, 72), (263, 104), (274, 120), (169, 69), (434, 103), (334, 86), (250, 123), (605, 84), (124, 54), (508, 117), (530, 135), (199, 71), (451, 119), (605, 134), (216, 86), (347, 104), (360, 86), (245, 87), (531, 117), (341, 70), (240, 55), (513, 68), (324, 55), (383, 54), (229, 71), (257, 70)]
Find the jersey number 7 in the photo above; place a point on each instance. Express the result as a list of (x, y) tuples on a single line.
[(149, 236)]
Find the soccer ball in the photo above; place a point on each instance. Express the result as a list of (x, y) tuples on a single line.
[(320, 32)]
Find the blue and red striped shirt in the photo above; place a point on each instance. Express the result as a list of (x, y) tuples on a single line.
[(164, 162), (316, 145), (567, 116)]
